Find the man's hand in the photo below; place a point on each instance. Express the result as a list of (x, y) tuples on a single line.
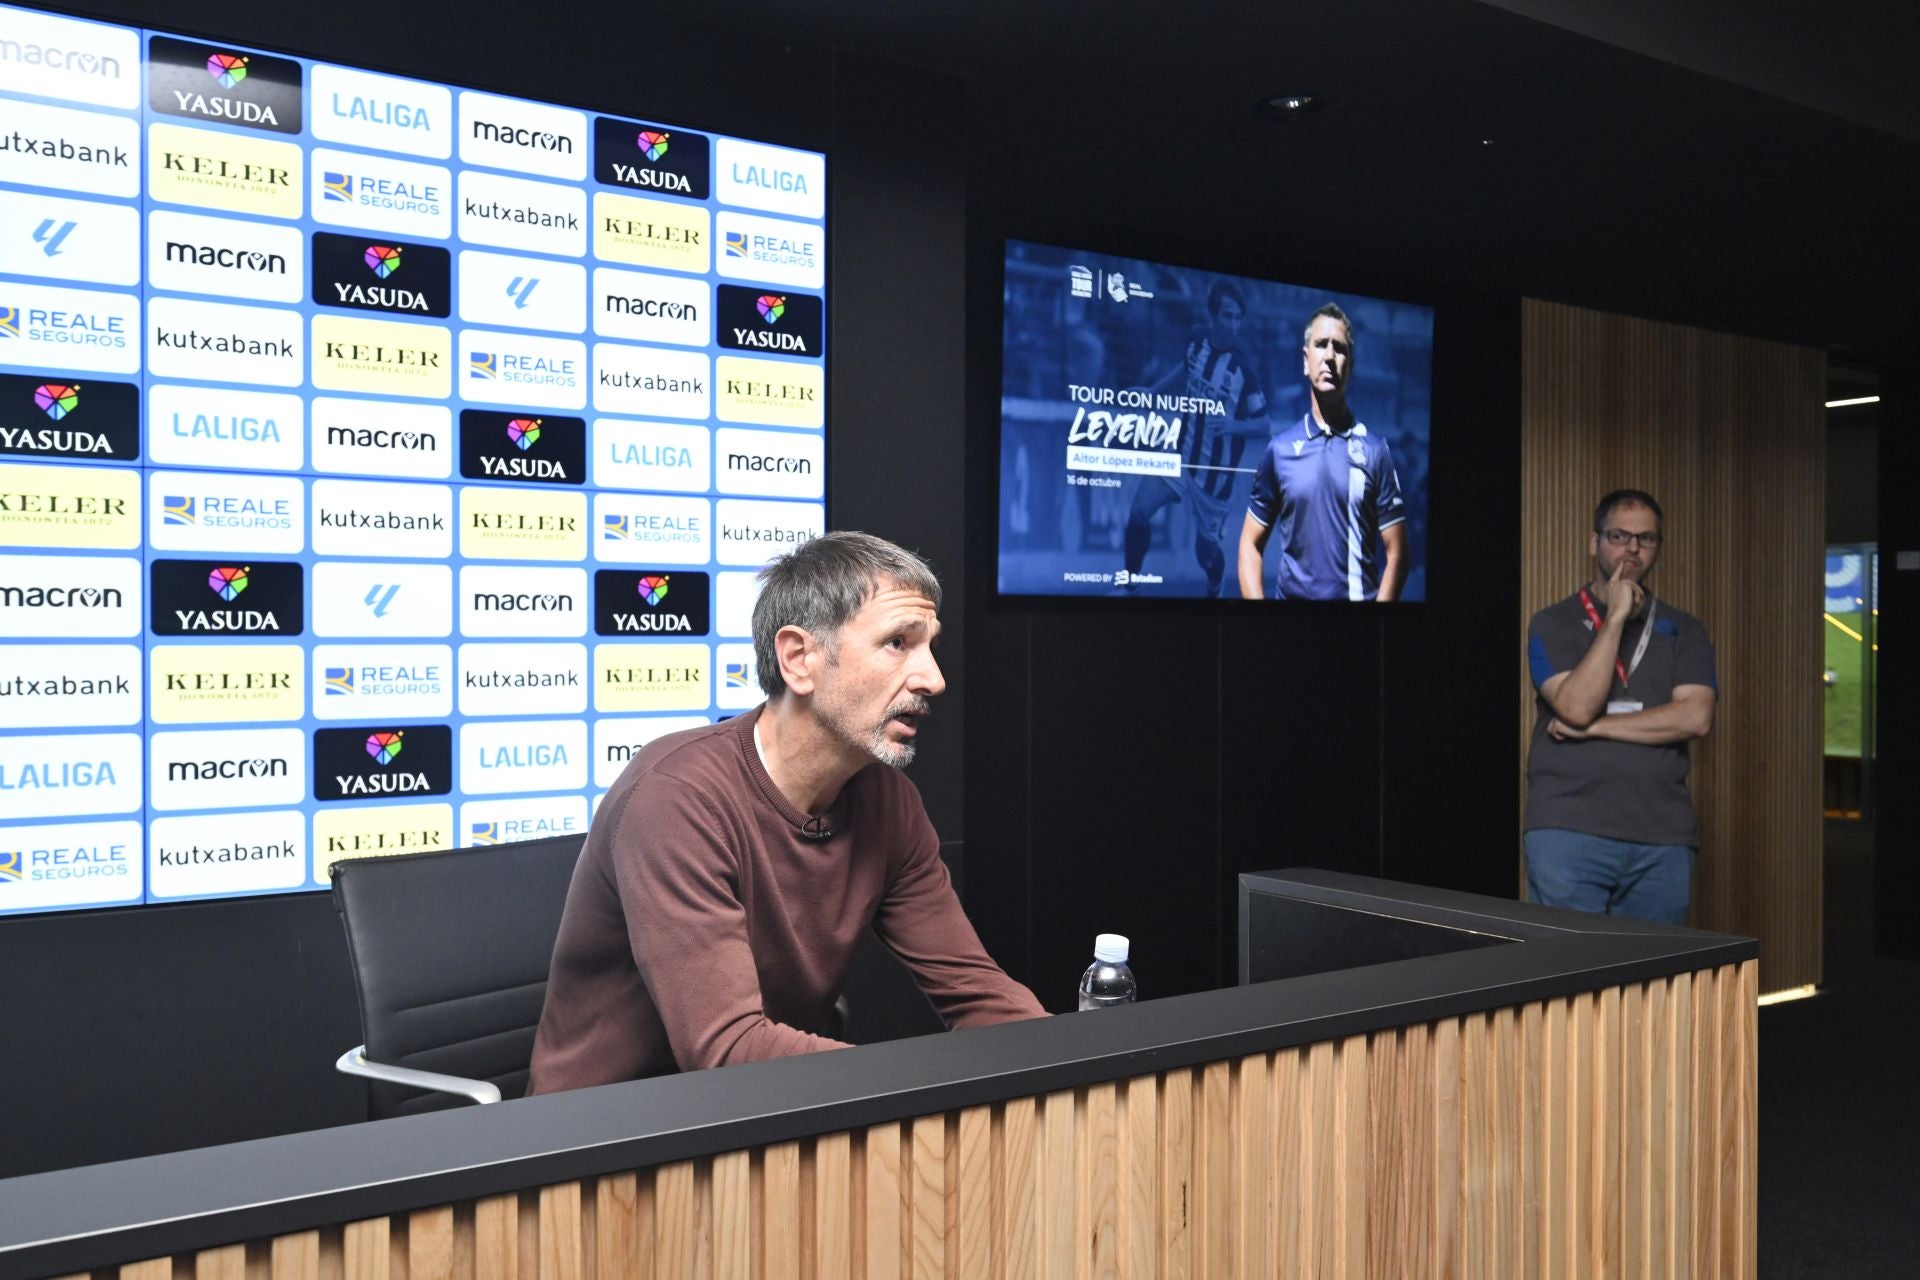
[(1561, 731), (1620, 596)]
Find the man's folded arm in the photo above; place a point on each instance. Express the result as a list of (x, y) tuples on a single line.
[(688, 930)]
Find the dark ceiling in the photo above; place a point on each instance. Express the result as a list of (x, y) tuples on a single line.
[(1467, 144)]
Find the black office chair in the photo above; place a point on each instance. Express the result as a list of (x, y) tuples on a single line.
[(450, 952)]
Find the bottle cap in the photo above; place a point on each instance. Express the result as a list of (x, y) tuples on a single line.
[(1111, 947)]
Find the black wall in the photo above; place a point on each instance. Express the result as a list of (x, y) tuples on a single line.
[(1896, 800), (1127, 759)]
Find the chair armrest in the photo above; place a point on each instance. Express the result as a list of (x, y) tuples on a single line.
[(354, 1063)]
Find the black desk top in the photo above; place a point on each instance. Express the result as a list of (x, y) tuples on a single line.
[(76, 1219)]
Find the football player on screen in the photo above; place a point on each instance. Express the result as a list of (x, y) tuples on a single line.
[(1212, 445), (1329, 485)]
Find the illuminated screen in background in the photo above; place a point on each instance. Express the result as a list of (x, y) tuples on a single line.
[(1148, 411), (382, 463)]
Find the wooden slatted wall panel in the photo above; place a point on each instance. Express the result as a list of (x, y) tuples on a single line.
[(1605, 1134), (1729, 434)]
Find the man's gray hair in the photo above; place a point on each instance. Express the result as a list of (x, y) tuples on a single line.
[(1333, 312), (821, 584)]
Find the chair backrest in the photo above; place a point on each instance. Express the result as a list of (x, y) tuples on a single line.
[(450, 953)]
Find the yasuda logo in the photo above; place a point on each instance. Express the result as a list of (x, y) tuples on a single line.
[(56, 399), (771, 307), (384, 747), (382, 260), (481, 365), (227, 69), (337, 187), (524, 432), (49, 235), (652, 144), (228, 583), (653, 589)]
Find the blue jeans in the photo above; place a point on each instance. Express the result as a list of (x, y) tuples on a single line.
[(1609, 877)]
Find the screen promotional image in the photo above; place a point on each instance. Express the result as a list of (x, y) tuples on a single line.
[(382, 463), (1169, 432)]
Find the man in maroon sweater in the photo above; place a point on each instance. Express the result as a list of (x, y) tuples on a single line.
[(732, 869)]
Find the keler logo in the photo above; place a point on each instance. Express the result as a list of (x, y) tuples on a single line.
[(652, 602)]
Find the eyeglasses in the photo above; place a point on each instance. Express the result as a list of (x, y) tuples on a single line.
[(1620, 538)]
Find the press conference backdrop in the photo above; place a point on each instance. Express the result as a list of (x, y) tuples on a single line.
[(382, 462)]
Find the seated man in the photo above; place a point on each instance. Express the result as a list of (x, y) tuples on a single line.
[(733, 868)]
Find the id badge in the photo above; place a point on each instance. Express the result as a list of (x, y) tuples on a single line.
[(1621, 706)]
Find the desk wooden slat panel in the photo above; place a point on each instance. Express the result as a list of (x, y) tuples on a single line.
[(1603, 1134)]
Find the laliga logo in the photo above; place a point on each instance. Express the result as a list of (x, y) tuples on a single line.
[(524, 432), (771, 307), (227, 69), (652, 144), (384, 747), (56, 400), (228, 583), (382, 260)]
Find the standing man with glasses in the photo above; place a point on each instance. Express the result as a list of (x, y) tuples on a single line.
[(1624, 683)]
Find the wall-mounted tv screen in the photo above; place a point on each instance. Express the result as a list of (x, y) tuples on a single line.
[(1167, 431), (382, 462)]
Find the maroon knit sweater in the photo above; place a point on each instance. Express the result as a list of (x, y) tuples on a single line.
[(702, 929)]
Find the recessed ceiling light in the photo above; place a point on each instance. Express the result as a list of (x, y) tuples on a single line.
[(1287, 106)]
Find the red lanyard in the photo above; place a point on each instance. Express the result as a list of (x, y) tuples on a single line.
[(1620, 668)]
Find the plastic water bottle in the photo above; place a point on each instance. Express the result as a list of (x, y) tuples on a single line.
[(1107, 980)]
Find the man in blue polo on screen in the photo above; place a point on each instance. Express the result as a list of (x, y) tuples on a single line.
[(1328, 485), (1214, 372)]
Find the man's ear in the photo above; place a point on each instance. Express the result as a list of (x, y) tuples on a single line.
[(794, 650)]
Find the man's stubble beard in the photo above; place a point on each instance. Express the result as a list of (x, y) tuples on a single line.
[(872, 742)]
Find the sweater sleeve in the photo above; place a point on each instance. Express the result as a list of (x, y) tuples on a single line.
[(920, 918), (679, 888)]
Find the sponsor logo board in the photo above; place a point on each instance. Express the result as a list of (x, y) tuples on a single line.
[(523, 755), (777, 393), (651, 233), (644, 529), (381, 761), (237, 853), (360, 681), (517, 213), (222, 427), (226, 171), (216, 342), (781, 464), (655, 158), (736, 683), (57, 597), (227, 257), (69, 864), (70, 775), (770, 250), (220, 511), (382, 273), (513, 600), (69, 686), (640, 306), (47, 416), (56, 57), (66, 150), (223, 598), (227, 768), (651, 382), (525, 293), (216, 84), (523, 447), (365, 517), (69, 328), (651, 602), (522, 679), (498, 523), (208, 684), (377, 193), (511, 821), (387, 113), (615, 742), (756, 532), (521, 370), (777, 179), (384, 599), (383, 438), (372, 831), (382, 357), (651, 677), (78, 240), (92, 508), (526, 137), (651, 455)]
